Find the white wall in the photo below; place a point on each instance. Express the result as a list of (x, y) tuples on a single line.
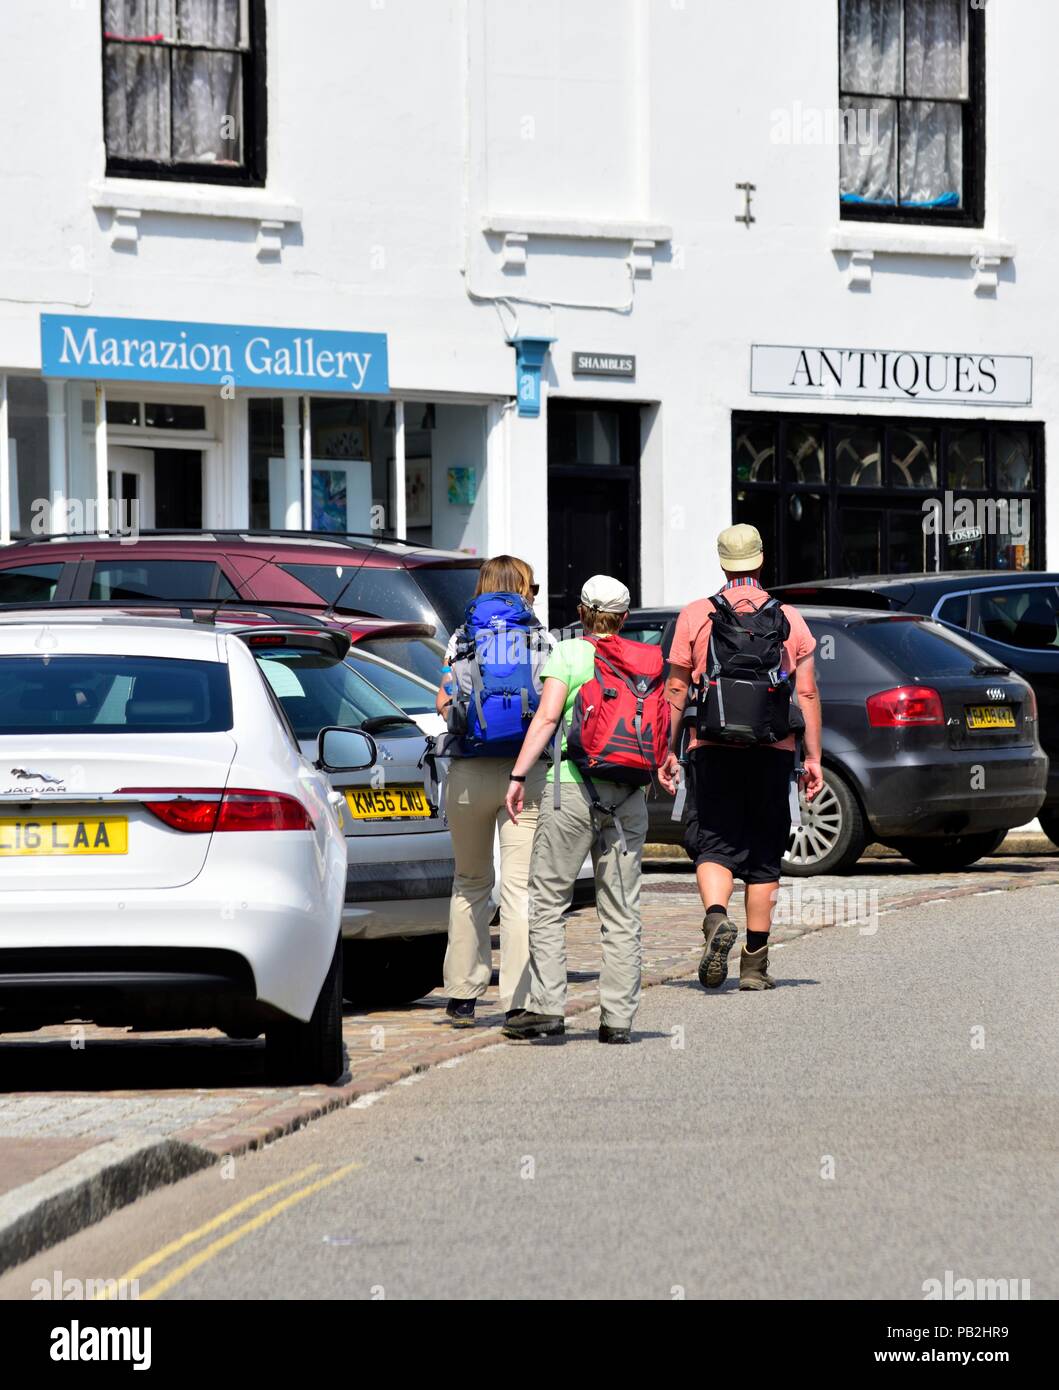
[(400, 129)]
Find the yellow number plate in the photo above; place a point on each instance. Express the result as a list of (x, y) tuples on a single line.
[(64, 835), (990, 717), (387, 803)]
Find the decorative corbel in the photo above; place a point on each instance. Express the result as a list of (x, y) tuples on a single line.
[(860, 270), (125, 229)]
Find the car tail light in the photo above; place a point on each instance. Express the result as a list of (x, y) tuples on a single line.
[(904, 705), (1031, 703), (253, 810), (202, 810)]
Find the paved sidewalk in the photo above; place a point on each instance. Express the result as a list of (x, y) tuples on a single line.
[(91, 1118)]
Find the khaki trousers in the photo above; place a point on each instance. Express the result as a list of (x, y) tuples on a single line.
[(474, 800), (563, 838)]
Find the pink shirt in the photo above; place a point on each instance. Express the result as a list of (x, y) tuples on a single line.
[(691, 639)]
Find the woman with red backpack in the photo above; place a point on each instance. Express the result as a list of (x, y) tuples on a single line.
[(495, 660), (604, 707)]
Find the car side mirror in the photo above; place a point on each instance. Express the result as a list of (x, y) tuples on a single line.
[(345, 750)]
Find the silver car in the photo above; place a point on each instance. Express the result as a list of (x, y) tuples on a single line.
[(399, 875)]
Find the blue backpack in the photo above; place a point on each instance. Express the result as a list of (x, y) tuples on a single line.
[(500, 652)]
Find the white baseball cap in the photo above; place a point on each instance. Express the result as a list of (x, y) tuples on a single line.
[(605, 595)]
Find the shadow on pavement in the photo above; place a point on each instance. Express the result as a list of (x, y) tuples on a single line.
[(135, 1063)]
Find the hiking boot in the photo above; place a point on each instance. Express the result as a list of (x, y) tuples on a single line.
[(461, 1012), (533, 1025), (753, 969), (607, 1034), (720, 937)]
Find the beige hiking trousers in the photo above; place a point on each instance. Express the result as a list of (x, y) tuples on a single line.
[(474, 801), (563, 838)]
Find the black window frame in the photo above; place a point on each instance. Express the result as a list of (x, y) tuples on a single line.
[(253, 170), (892, 499), (972, 213)]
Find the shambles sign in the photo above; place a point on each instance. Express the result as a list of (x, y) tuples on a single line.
[(886, 374), (604, 364), (212, 354)]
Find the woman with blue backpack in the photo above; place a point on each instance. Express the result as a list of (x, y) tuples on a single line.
[(488, 695)]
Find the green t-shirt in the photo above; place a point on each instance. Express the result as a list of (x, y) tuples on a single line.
[(573, 663)]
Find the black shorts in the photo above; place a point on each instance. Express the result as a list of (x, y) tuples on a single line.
[(738, 812)]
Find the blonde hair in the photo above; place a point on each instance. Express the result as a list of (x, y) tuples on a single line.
[(598, 623), (505, 574)]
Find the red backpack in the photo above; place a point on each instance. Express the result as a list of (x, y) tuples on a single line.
[(620, 726)]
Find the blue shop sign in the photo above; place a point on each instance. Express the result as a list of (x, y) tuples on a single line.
[(213, 354)]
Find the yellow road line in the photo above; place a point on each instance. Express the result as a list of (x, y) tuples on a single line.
[(151, 1261), (254, 1224)]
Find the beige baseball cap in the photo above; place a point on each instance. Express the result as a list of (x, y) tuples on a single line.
[(605, 595), (739, 549)]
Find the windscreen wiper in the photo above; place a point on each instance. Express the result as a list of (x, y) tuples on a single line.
[(989, 668)]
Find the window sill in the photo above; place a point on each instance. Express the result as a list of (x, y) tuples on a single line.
[(128, 199), (517, 228), (865, 240)]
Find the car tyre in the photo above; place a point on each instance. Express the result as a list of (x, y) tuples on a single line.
[(386, 973), (1050, 824), (299, 1053), (832, 835), (953, 852)]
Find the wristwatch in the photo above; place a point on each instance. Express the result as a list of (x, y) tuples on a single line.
[(515, 778)]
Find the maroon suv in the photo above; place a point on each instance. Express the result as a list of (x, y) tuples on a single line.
[(299, 571)]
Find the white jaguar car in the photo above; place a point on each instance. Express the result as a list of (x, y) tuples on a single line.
[(171, 856)]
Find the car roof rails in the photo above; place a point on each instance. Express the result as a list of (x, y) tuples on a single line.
[(210, 533), (203, 611)]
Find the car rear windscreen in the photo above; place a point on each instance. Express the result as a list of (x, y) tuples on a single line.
[(644, 630), (424, 594), (919, 649), (397, 686), (449, 588), (316, 693), (420, 655), (113, 695)]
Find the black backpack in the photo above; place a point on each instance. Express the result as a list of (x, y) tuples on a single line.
[(745, 693)]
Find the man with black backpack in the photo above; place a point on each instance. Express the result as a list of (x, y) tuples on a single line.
[(735, 662), (604, 708)]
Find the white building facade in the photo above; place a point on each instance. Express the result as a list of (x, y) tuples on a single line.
[(583, 280)]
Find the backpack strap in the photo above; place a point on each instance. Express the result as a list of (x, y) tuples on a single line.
[(477, 688), (607, 812), (557, 758)]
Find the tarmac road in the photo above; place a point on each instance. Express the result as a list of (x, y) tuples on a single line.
[(884, 1116)]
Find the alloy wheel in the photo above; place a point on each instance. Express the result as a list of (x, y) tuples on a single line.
[(820, 830)]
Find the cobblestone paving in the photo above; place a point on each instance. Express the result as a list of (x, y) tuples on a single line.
[(66, 1088)]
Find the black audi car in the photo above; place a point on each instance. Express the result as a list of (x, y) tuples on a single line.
[(930, 744), (1013, 616)]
